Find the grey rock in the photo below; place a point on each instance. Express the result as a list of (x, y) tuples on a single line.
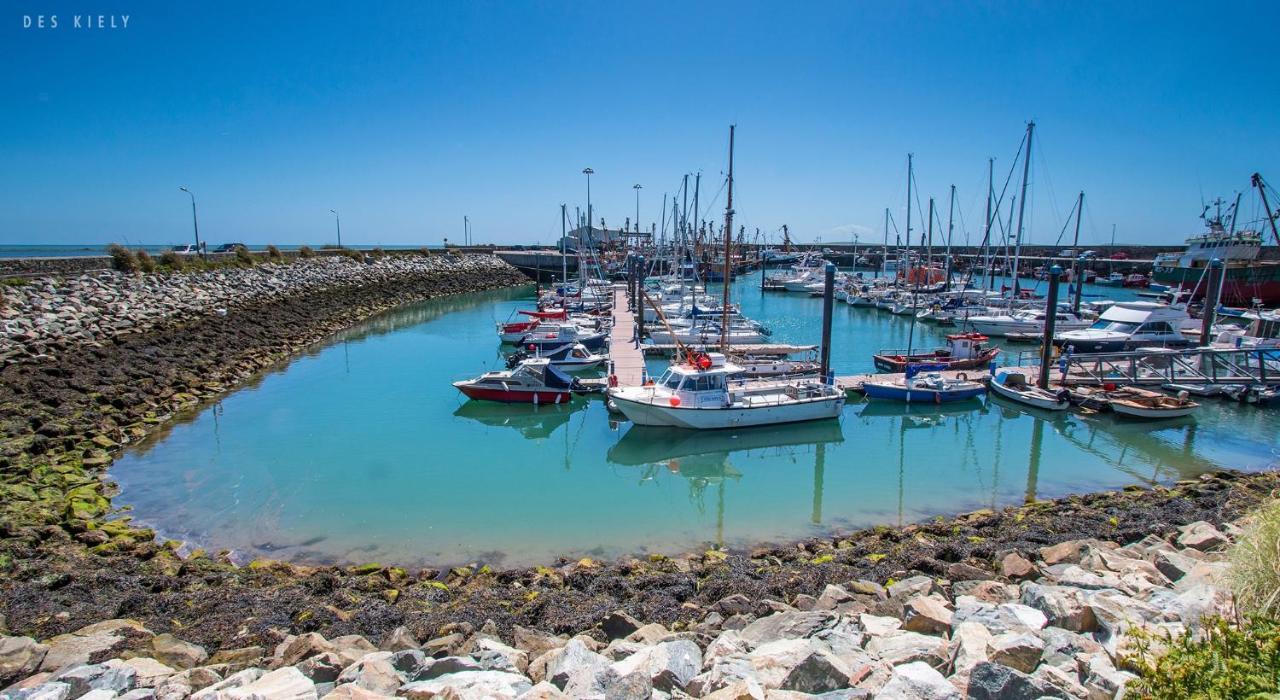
[(913, 586), (409, 661), (321, 668), (618, 624), (91, 644), (448, 665), (819, 672), (1017, 650), (149, 672), (535, 642), (901, 646), (398, 639), (447, 645), (374, 672), (633, 686), (1063, 606), (493, 654), (19, 657), (232, 682), (1202, 536), (45, 691), (139, 694), (917, 681), (238, 659), (578, 671), (173, 652), (668, 665), (100, 695), (111, 675), (286, 683), (990, 681), (998, 619), (468, 685), (787, 625)]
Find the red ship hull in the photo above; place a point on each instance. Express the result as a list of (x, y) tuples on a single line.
[(515, 395)]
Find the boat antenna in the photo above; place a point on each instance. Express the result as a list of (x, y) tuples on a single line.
[(728, 241)]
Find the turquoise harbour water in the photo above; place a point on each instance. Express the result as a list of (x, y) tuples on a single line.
[(360, 450)]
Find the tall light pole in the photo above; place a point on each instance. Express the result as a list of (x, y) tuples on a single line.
[(195, 223), (588, 172), (338, 221), (466, 230), (637, 187)]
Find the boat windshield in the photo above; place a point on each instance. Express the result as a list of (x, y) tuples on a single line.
[(670, 379), (1116, 326)]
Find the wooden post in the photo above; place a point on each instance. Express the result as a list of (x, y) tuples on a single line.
[(1210, 301), (640, 300), (1050, 318)]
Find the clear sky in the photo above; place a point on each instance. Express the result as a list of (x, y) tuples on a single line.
[(406, 116)]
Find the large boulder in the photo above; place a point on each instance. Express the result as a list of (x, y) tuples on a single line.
[(1063, 606), (232, 682), (19, 658), (998, 619), (281, 684), (95, 643), (619, 624), (1202, 536), (149, 672), (374, 672), (991, 681), (901, 647), (668, 665), (470, 685), (578, 671), (786, 625), (913, 586), (112, 675), (926, 614), (1017, 650), (171, 651), (917, 681)]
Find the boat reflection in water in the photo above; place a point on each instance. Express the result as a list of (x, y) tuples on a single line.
[(532, 422), (703, 456)]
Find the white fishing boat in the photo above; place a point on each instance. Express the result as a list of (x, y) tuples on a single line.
[(1011, 384), (705, 394)]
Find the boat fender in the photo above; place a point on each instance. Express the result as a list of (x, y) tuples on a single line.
[(937, 398), (675, 401), (613, 381), (964, 377)]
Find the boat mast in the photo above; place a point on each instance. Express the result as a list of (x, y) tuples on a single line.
[(564, 260), (1262, 192), (728, 239), (951, 224), (884, 252), (986, 237), (1022, 207), (1077, 274), (910, 165)]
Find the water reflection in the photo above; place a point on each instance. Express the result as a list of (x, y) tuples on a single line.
[(532, 422)]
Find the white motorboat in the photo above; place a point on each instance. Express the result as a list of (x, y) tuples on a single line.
[(1011, 384), (1025, 321), (705, 334), (705, 394), (1126, 325)]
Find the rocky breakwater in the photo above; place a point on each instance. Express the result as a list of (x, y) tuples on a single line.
[(1056, 622), (97, 361)]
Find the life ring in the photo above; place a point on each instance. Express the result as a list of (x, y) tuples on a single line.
[(962, 376)]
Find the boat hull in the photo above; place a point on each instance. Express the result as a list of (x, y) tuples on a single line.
[(643, 413), (1008, 394), (542, 397), (898, 363), (898, 392), (1152, 413)]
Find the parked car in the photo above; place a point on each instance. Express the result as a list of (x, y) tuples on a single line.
[(230, 247), (188, 249), (1119, 255), (1089, 254), (1068, 253)]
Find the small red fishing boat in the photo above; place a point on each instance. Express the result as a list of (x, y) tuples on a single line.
[(963, 351), (533, 381)]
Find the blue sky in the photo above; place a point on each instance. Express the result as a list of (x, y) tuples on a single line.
[(408, 116)]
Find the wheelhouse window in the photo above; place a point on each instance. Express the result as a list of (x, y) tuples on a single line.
[(1157, 327)]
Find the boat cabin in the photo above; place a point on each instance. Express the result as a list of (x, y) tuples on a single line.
[(963, 346), (704, 382)]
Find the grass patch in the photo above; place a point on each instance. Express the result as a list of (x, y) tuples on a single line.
[(171, 260), (15, 281), (273, 253), (306, 252), (1229, 662), (1255, 562), (145, 262)]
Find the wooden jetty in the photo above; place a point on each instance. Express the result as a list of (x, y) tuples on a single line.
[(625, 359)]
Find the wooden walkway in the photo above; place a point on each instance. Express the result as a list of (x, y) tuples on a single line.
[(624, 356)]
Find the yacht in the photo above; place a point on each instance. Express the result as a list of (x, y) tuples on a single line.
[(1127, 325), (1025, 321)]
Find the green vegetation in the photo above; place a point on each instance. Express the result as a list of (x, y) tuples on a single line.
[(171, 260), (378, 252), (122, 258), (145, 261), (306, 252), (1255, 562), (15, 281), (1230, 662), (274, 253), (243, 256)]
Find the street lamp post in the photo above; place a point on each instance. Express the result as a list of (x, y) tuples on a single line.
[(637, 187), (195, 223), (337, 220)]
